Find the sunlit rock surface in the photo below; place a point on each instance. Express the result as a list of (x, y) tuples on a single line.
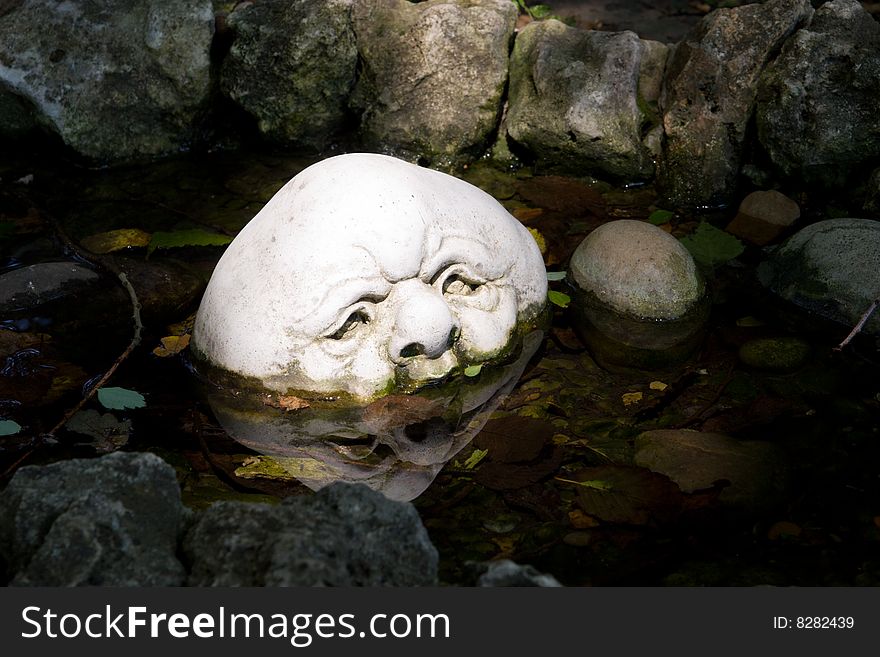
[(830, 269), (366, 274), (581, 100), (116, 79), (640, 300), (396, 445), (433, 74)]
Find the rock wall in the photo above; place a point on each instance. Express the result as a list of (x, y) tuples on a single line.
[(768, 85)]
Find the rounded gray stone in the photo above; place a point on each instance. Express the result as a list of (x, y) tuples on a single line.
[(638, 269)]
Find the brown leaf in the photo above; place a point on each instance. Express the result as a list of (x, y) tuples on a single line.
[(286, 402), (510, 476), (172, 345), (395, 411), (627, 495), (514, 439)]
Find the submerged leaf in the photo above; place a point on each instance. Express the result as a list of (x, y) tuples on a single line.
[(473, 370), (9, 427), (189, 237), (120, 398), (660, 217), (634, 496), (555, 275), (712, 246), (108, 434)]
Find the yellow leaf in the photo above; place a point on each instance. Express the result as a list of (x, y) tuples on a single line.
[(116, 240), (631, 398), (477, 456), (172, 345), (539, 240), (658, 385)]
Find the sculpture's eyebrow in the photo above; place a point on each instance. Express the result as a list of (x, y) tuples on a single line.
[(455, 249)]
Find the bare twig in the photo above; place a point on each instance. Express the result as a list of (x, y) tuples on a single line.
[(135, 341), (859, 325)]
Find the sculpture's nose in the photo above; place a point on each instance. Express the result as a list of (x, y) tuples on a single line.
[(424, 324)]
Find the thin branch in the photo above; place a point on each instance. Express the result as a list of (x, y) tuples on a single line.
[(135, 341), (859, 326)]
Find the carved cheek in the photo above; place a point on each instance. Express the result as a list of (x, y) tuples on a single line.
[(486, 330)]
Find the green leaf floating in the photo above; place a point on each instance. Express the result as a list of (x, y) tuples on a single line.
[(9, 427), (473, 370), (555, 275), (560, 299), (711, 246), (189, 237), (120, 398)]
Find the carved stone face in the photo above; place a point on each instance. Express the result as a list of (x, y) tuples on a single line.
[(366, 274)]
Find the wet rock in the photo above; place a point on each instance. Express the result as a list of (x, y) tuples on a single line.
[(818, 102), (116, 79), (763, 217), (292, 66), (829, 269), (34, 285), (775, 354), (112, 521), (344, 535), (695, 460), (166, 289), (709, 95), (639, 301), (508, 573), (579, 100), (433, 74)]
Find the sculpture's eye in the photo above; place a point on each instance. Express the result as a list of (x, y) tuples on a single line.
[(351, 324), (456, 280)]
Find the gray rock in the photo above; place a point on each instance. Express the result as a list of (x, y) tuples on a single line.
[(112, 521), (116, 79), (695, 460), (578, 98), (34, 285), (764, 216), (344, 535), (292, 66), (819, 101), (709, 95), (829, 268), (508, 573), (433, 75)]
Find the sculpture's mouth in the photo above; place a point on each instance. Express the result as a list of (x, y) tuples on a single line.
[(419, 371)]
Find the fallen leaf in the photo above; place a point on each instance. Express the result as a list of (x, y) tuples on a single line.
[(711, 246), (116, 240), (580, 520), (291, 403), (473, 370), (396, 411), (658, 385), (539, 240), (9, 427), (559, 298), (474, 459), (120, 398), (527, 214), (635, 496), (108, 434), (190, 237), (172, 345), (630, 398), (515, 439), (555, 275)]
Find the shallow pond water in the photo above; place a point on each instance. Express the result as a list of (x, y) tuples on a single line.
[(550, 478)]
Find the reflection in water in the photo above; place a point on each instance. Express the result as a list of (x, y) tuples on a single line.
[(396, 445)]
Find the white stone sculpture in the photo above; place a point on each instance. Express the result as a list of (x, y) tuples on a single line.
[(366, 274)]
